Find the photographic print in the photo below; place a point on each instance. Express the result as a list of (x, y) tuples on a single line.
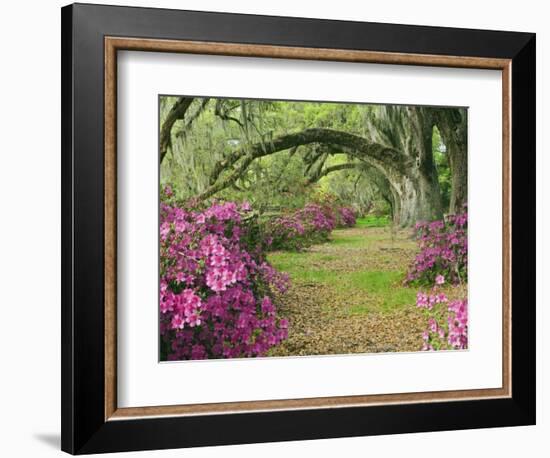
[(305, 217), (301, 228)]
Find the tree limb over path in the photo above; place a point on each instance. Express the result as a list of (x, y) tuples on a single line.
[(352, 142), (354, 145)]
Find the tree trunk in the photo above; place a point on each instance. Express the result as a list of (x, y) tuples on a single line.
[(417, 189), (417, 198), (459, 170), (453, 126)]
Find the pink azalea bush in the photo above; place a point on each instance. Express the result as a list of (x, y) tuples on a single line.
[(332, 208), (320, 220), (447, 327), (286, 232), (306, 226), (216, 293), (443, 250), (346, 217), (299, 229)]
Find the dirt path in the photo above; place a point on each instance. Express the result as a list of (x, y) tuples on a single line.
[(347, 295)]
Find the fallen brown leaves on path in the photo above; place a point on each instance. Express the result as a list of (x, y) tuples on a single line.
[(321, 324)]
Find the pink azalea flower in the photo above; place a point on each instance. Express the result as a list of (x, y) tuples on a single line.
[(177, 322)]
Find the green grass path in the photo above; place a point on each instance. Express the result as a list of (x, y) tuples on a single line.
[(362, 261), (347, 294)]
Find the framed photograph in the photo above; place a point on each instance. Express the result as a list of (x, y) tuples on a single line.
[(282, 228)]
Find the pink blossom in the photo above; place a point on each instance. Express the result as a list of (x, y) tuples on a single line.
[(177, 322)]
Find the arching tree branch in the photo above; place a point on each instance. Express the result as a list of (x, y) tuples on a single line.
[(176, 112), (355, 146), (227, 180), (354, 143), (333, 168)]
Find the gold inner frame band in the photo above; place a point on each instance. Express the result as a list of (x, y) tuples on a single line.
[(114, 44)]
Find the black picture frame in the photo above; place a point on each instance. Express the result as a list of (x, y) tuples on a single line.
[(84, 428)]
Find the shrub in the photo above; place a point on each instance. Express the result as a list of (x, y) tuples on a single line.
[(285, 232), (306, 226), (318, 220), (346, 217), (300, 229), (332, 208), (215, 292), (443, 250), (447, 327)]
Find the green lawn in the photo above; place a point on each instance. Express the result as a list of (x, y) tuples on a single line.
[(373, 221)]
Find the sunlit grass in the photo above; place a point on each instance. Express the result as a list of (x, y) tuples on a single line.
[(375, 281), (294, 262), (373, 221)]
